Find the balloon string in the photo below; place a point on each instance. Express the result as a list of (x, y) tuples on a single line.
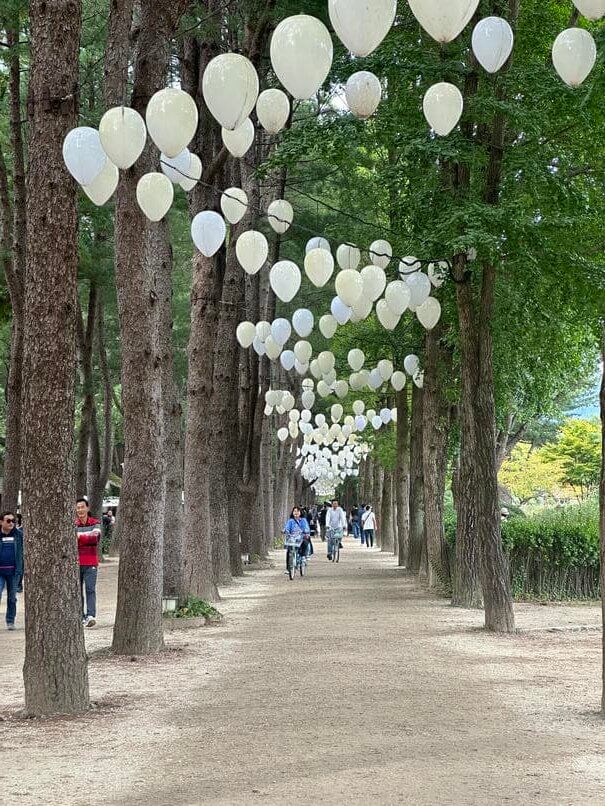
[(414, 264)]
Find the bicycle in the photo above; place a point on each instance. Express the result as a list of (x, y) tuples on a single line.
[(334, 537), (294, 560)]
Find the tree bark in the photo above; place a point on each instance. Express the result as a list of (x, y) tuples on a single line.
[(98, 484), (416, 483), (387, 542), (86, 341), (138, 626), (55, 669), (378, 491), (402, 477)]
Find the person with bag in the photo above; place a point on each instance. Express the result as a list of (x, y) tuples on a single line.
[(369, 526)]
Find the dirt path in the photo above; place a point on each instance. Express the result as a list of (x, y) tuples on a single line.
[(350, 687)]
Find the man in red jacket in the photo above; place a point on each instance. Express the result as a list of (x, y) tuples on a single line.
[(89, 535)]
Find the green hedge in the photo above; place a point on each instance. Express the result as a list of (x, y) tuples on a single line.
[(553, 554)]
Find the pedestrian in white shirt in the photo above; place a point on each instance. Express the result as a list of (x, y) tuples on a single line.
[(369, 526), (336, 519)]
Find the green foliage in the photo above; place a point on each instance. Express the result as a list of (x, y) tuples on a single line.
[(577, 453), (195, 608)]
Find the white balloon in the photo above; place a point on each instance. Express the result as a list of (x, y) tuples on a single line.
[(103, 187), (574, 54), (319, 266), (230, 89), (285, 279), (376, 379), (385, 416), (349, 286), (263, 331), (398, 380), (381, 253), (330, 377), (438, 273), (281, 330), (359, 407), (208, 230), (340, 311), (362, 309), (155, 195), (283, 434), (370, 414), (305, 416), (411, 364), (420, 288), (374, 282), (376, 423), (273, 397), (361, 26), (363, 92), (293, 430), (308, 384), (303, 351), (287, 359), (234, 204), (268, 411), (245, 333), (252, 251), (176, 168), (317, 243), (328, 326), (273, 110), (360, 422), (83, 154), (281, 215), (591, 9), (272, 349), (123, 135), (398, 296), (301, 54), (385, 368), (288, 401), (259, 347), (320, 420), (300, 367), (172, 120), (493, 41), (443, 105), (326, 361), (356, 359), (195, 174), (336, 412), (308, 399), (348, 256), (429, 313), (387, 318), (394, 415), (303, 322), (239, 141), (342, 389), (443, 20)]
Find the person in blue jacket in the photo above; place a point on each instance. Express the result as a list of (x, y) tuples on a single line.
[(298, 527), (11, 564)]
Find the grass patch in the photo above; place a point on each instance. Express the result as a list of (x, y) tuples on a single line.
[(195, 608)]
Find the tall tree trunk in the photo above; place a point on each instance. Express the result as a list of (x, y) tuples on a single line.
[(98, 484), (138, 626), (86, 340), (416, 483), (387, 542), (378, 490), (436, 426), (402, 477), (602, 508), (268, 479), (55, 669)]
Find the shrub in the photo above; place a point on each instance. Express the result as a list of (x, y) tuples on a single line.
[(195, 608)]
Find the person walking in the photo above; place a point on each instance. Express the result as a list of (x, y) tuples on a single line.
[(369, 526), (321, 521), (11, 564), (89, 536), (336, 520), (355, 522)]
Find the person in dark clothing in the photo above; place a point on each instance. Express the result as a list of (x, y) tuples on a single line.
[(321, 520), (11, 564)]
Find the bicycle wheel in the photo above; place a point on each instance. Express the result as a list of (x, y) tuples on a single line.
[(302, 567), (291, 563)]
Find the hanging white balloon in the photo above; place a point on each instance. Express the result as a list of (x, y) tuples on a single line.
[(317, 243), (376, 423), (376, 379), (155, 195), (591, 9), (361, 26), (172, 120), (381, 253), (340, 311), (273, 110), (252, 250), (348, 256), (398, 380), (245, 334), (398, 296), (315, 369), (360, 422), (101, 189), (336, 412), (308, 399), (328, 326), (301, 54), (283, 434), (429, 313), (208, 230), (443, 105), (411, 364), (420, 288), (574, 54), (356, 359), (374, 281), (123, 135), (303, 351), (362, 308), (385, 416), (176, 168), (349, 286), (281, 215), (239, 141), (263, 331), (444, 21), (363, 92), (288, 360), (194, 176), (285, 279), (272, 349), (493, 41), (342, 389), (385, 368), (281, 330), (83, 154), (234, 204), (387, 318), (230, 89), (259, 346), (319, 266), (359, 407), (303, 322), (326, 361), (300, 367)]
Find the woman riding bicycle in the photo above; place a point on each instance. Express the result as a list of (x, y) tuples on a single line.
[(298, 527)]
